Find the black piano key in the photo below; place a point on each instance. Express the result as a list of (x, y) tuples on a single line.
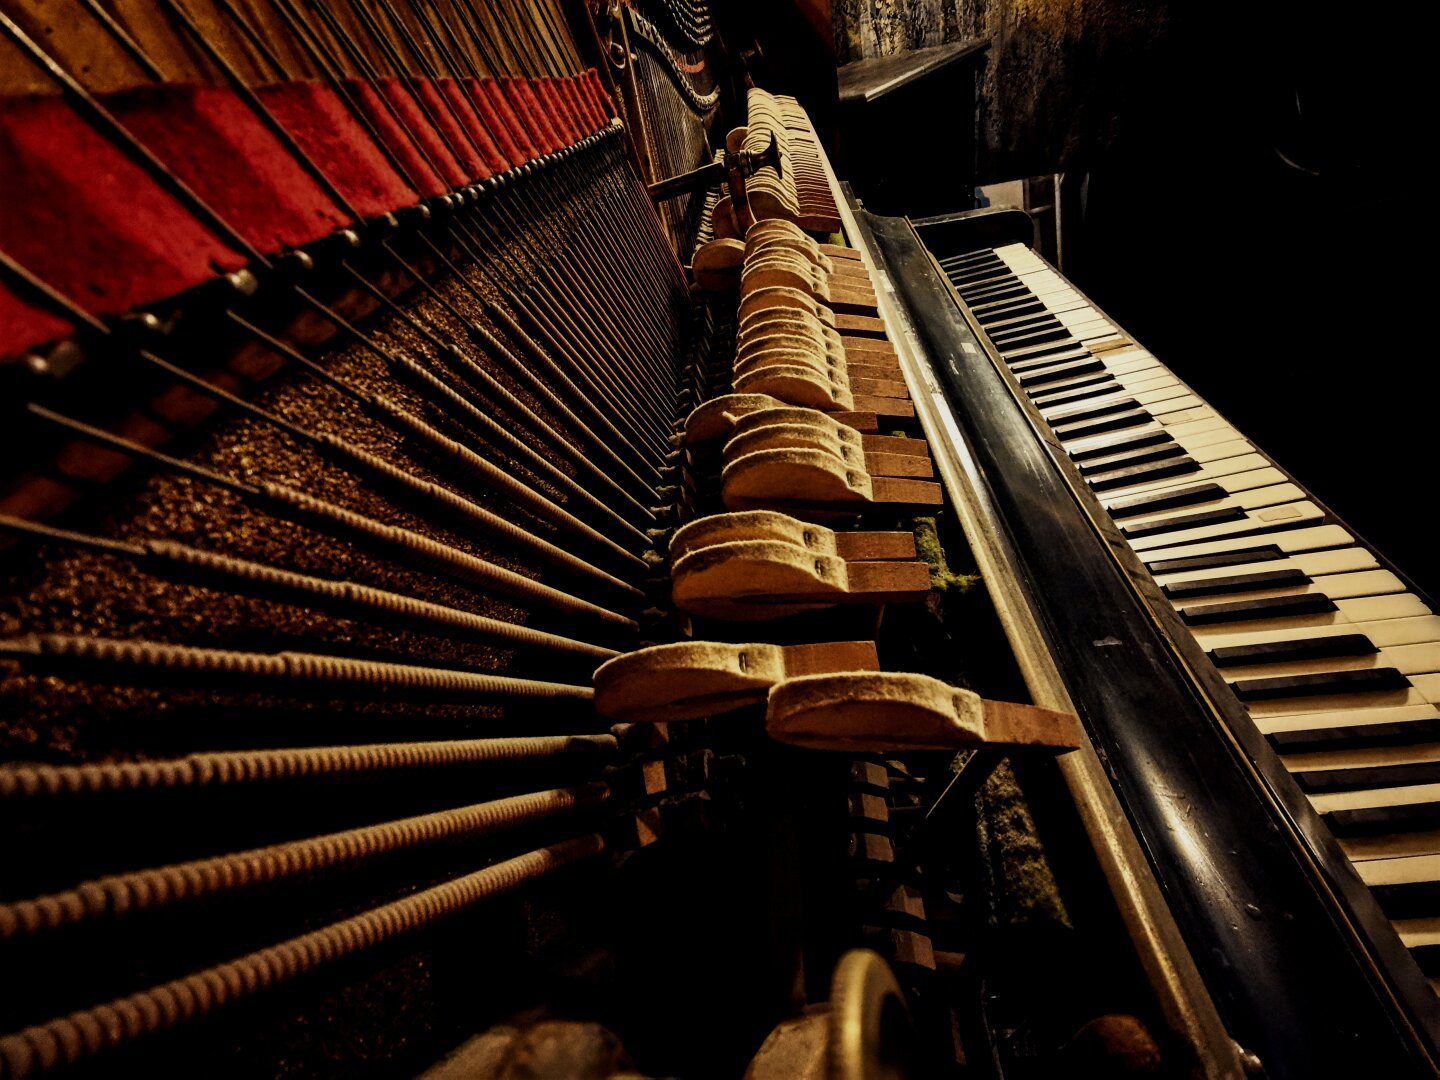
[(1116, 443), (1262, 579), (1325, 647), (987, 289), (1156, 501), (1031, 329), (1143, 473), (994, 292), (1008, 343), (970, 258), (1263, 553), (1197, 520), (1360, 681), (1082, 410), (1129, 459), (1001, 296), (1009, 314), (1428, 958), (1418, 900), (1384, 820), (1114, 422), (1330, 781), (1050, 373), (982, 271), (1019, 355), (1266, 607), (1356, 736), (1084, 387), (1052, 359)]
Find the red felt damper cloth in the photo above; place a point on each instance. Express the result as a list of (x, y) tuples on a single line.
[(594, 108), (455, 139), (575, 109), (475, 127), (527, 109), (417, 170), (506, 126), (586, 114), (24, 326), (320, 122), (409, 113), (558, 111), (601, 96), (216, 143), (81, 216)]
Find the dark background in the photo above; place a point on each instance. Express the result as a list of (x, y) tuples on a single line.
[(1254, 202)]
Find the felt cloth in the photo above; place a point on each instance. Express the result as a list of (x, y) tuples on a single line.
[(417, 171), (591, 78), (532, 114), (318, 119), (557, 111), (23, 325), (212, 140), (85, 219), (412, 117), (507, 125), (453, 137), (475, 126)]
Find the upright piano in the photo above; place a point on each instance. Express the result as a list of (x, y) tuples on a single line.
[(510, 570)]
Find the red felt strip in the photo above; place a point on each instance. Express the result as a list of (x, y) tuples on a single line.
[(499, 129), (88, 221), (558, 110), (549, 136), (598, 93), (417, 170), (522, 99), (408, 110), (24, 326), (580, 94), (493, 160), (455, 139), (578, 110), (212, 140), (517, 129), (318, 119)]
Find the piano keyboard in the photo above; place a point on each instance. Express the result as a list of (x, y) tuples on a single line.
[(1335, 661)]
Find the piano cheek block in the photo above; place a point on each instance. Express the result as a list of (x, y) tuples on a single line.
[(883, 711)]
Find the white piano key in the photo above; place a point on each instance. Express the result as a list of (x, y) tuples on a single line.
[(1404, 631), (1247, 497), (1312, 563), (1413, 695), (1400, 871), (1346, 718), (1417, 932), (1346, 586), (1362, 757), (1254, 521), (1361, 848), (1419, 659), (1200, 412), (1152, 400), (1415, 795), (1361, 609), (1313, 538), (1235, 474)]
